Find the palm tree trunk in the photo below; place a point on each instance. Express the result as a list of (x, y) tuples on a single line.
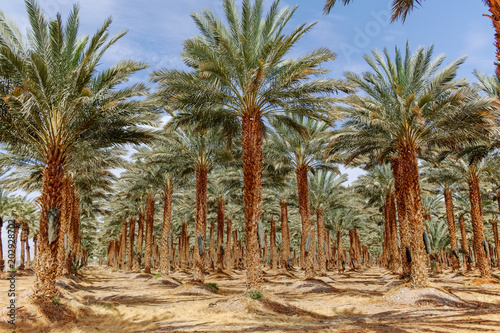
[(201, 222), (251, 142), (220, 234), (410, 173), (123, 245), (51, 201), (494, 224), (385, 242), (165, 234), (274, 252), (23, 237), (451, 226), (2, 262), (322, 246), (285, 234), (404, 226), (229, 258), (150, 211), (340, 251), (465, 247), (28, 260), (140, 238), (66, 211), (73, 231), (211, 253), (352, 249), (477, 226), (184, 245), (35, 249), (305, 216), (394, 252), (130, 259)]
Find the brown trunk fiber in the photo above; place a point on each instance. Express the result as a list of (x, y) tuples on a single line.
[(465, 247), (322, 246), (73, 232), (394, 251), (251, 142), (340, 250), (305, 216), (494, 225), (229, 259), (201, 222), (2, 262), (166, 233), (150, 211), (123, 246), (285, 235), (24, 239), (130, 259), (52, 180), (220, 234), (211, 252), (140, 237), (66, 211), (451, 227), (477, 226), (404, 226), (274, 252), (414, 204)]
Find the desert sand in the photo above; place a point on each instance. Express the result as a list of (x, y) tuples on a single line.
[(369, 300)]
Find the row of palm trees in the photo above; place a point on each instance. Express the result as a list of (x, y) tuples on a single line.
[(241, 109)]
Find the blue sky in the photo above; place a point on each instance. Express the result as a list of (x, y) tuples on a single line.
[(156, 30)]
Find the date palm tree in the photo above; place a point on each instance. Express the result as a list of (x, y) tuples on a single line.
[(411, 103), (443, 176), (63, 103), (302, 150), (239, 71), (378, 187), (195, 152), (325, 185), (472, 170)]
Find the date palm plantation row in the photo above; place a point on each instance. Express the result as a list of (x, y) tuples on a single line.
[(252, 147)]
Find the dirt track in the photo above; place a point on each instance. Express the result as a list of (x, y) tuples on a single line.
[(369, 301)]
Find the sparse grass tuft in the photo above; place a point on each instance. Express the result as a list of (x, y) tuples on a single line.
[(254, 294), (56, 300), (214, 286), (158, 275), (108, 306)]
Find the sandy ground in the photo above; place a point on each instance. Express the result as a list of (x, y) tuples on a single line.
[(372, 300)]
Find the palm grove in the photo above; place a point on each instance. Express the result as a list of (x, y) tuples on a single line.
[(244, 174)]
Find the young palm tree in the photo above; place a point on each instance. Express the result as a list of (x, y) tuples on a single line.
[(442, 175), (400, 116), (472, 171), (303, 151), (325, 185), (378, 187), (196, 152), (67, 104), (239, 72)]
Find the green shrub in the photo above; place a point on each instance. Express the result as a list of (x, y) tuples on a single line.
[(77, 265), (56, 300), (214, 286), (158, 275), (254, 294)]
